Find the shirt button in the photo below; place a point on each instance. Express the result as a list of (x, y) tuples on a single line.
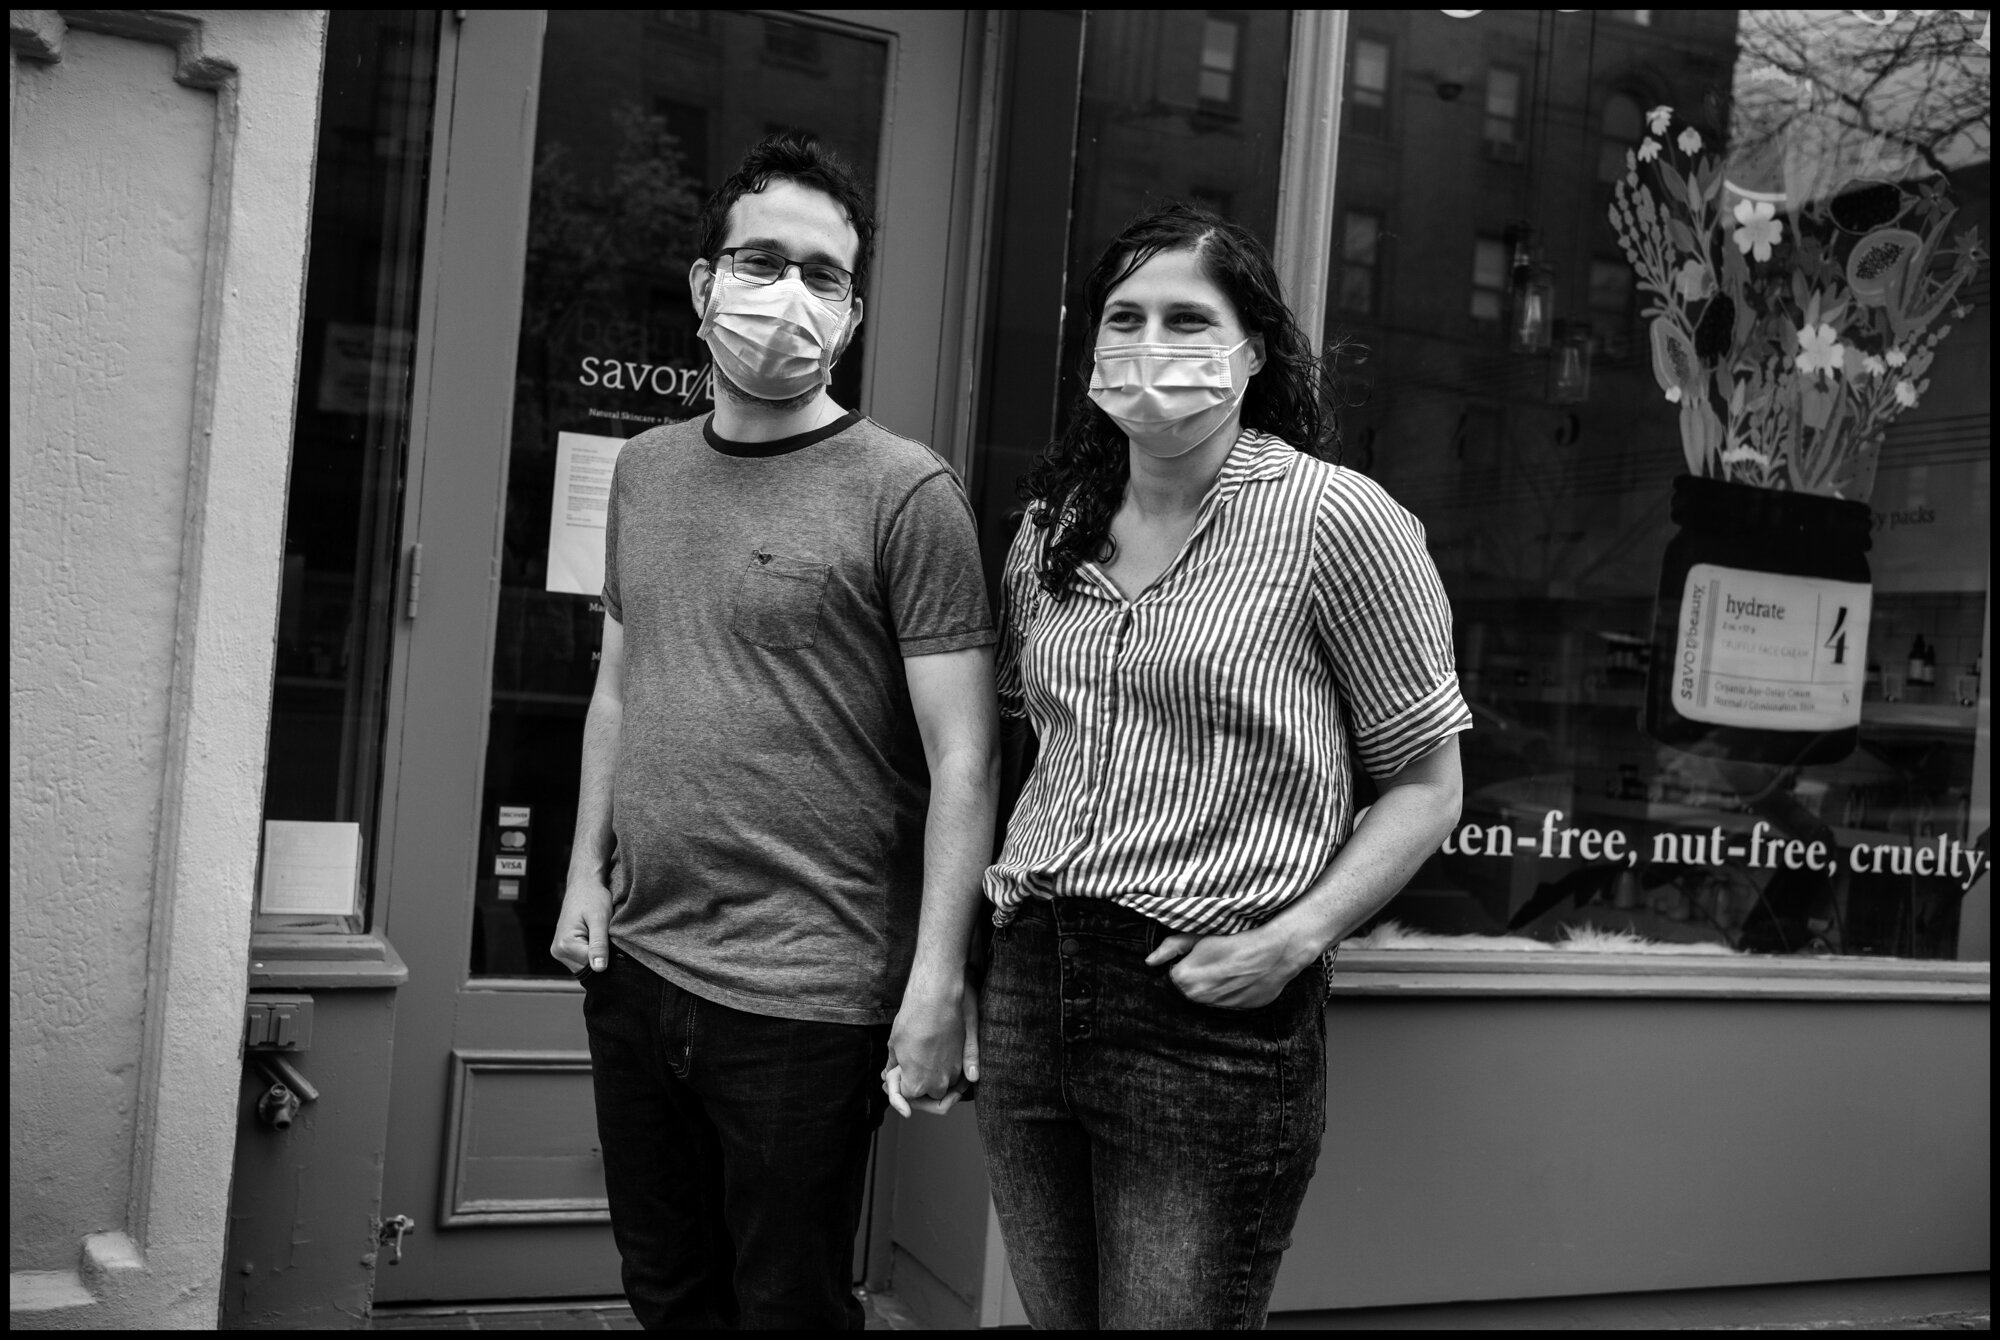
[(1070, 945)]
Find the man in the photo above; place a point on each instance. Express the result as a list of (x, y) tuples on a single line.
[(789, 773)]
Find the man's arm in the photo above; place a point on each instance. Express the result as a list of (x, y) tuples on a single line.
[(1400, 831), (583, 928), (952, 696)]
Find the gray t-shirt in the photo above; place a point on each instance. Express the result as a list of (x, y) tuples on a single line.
[(771, 792)]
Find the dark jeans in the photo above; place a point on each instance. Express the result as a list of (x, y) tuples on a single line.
[(1148, 1155), (735, 1151)]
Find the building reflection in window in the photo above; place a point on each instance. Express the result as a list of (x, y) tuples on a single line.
[(1549, 519)]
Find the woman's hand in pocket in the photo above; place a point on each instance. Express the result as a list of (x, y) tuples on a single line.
[(1235, 972)]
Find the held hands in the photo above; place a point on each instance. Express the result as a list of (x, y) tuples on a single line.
[(1236, 972), (933, 1050), (583, 927)]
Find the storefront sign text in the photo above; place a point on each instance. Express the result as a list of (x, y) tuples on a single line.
[(1759, 849), (611, 374)]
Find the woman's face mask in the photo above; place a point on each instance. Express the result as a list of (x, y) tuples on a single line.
[(1168, 398), (775, 341)]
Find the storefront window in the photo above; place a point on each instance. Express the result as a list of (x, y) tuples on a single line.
[(350, 433), (1717, 544)]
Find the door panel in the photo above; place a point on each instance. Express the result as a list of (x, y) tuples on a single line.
[(572, 152)]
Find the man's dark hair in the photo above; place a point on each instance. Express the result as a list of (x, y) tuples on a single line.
[(792, 155)]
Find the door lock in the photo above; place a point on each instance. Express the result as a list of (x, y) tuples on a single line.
[(392, 1235)]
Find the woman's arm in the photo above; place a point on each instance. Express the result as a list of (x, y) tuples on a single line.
[(1418, 806)]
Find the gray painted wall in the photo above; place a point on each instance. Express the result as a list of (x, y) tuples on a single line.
[(1520, 1147), (303, 1249), (1509, 1148)]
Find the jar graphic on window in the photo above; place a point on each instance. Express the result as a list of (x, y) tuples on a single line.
[(1796, 316), (1760, 632)]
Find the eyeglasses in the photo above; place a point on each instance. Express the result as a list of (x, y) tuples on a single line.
[(754, 265)]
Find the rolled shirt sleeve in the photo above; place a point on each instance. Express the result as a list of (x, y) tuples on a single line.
[(930, 564), (1386, 624)]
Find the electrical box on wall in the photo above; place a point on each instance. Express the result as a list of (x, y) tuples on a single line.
[(278, 1022)]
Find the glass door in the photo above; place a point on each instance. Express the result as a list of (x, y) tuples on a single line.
[(608, 349), (575, 150)]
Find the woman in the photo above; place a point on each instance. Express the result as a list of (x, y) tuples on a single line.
[(1205, 623)]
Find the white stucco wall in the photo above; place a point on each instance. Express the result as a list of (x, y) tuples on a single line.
[(160, 184), (99, 433)]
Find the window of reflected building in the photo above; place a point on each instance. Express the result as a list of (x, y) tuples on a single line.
[(1221, 35), (1503, 108), (1360, 252), (1764, 235), (1368, 87)]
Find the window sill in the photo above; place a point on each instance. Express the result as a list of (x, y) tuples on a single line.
[(1435, 972), (303, 960)]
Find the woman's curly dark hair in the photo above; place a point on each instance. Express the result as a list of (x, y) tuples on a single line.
[(1077, 484)]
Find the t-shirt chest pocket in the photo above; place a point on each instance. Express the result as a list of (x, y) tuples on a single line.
[(778, 601)]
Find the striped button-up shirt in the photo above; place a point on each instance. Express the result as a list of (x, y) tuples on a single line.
[(1195, 740)]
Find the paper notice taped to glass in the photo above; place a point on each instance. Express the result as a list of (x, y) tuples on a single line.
[(577, 511), (310, 869)]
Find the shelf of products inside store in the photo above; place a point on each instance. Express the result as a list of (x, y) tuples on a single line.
[(1914, 715), (1532, 761), (1547, 672)]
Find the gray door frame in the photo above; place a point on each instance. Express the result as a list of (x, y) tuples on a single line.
[(454, 1034)]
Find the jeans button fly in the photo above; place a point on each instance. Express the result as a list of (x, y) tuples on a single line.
[(1070, 945)]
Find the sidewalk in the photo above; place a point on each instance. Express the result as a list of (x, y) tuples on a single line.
[(884, 1314), (1941, 1321)]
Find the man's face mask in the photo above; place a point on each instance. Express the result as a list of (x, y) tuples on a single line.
[(1168, 398), (776, 341)]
